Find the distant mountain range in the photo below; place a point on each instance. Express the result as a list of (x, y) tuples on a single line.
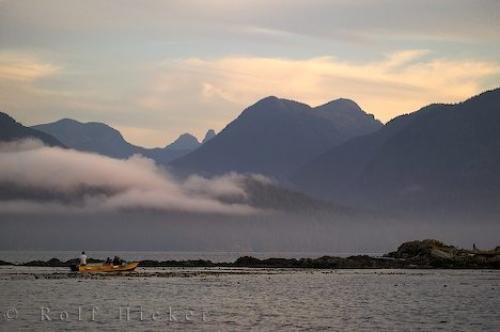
[(442, 156), (276, 136), (272, 137), (103, 139)]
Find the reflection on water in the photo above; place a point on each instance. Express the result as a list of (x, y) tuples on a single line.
[(341, 300)]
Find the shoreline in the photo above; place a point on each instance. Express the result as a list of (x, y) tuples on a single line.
[(425, 254), (209, 272)]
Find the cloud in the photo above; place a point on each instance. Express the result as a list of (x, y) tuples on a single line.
[(400, 82), (55, 180), (53, 20), (21, 67)]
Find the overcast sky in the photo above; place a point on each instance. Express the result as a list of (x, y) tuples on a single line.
[(156, 69)]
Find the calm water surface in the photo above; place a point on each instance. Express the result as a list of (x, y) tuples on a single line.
[(344, 300)]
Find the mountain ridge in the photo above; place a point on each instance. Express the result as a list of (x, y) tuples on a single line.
[(441, 155), (273, 136)]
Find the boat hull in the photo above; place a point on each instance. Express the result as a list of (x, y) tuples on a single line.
[(105, 268)]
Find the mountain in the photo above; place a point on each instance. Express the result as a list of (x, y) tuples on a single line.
[(270, 196), (348, 117), (92, 136), (11, 130), (275, 136), (184, 144), (208, 136), (439, 157), (103, 139)]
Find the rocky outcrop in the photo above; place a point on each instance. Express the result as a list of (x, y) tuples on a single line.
[(433, 253), (324, 262)]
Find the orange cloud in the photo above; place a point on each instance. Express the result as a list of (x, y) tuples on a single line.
[(398, 83), (18, 67)]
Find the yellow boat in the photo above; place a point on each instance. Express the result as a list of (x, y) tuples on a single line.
[(105, 268)]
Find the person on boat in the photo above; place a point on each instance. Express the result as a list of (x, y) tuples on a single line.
[(117, 260), (83, 258), (108, 261)]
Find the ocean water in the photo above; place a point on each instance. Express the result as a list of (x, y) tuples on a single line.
[(262, 300)]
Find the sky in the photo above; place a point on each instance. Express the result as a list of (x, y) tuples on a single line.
[(157, 69)]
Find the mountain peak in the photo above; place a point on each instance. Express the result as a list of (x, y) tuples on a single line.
[(68, 121), (5, 118), (268, 99), (273, 104), (347, 113), (270, 102), (185, 141), (10, 130), (208, 136), (340, 104)]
